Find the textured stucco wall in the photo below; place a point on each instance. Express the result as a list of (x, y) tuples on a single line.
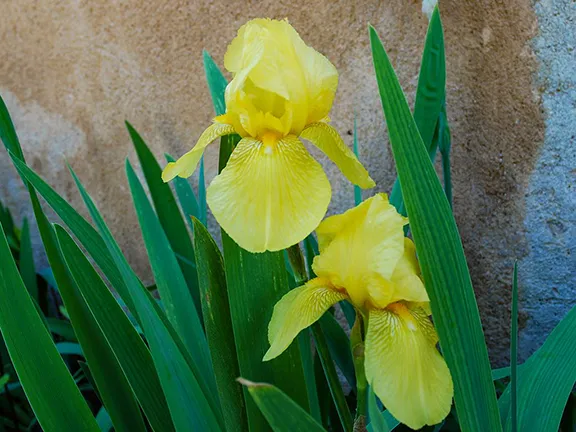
[(73, 70), (549, 269)]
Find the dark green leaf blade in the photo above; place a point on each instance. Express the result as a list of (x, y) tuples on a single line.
[(168, 212), (186, 197), (50, 389), (27, 268), (171, 285), (546, 380), (188, 406), (216, 312), (281, 412), (445, 274), (112, 385), (339, 347), (377, 421), (256, 282), (131, 351), (430, 95), (87, 235), (216, 83), (332, 378)]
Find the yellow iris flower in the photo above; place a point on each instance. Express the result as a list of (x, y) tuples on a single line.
[(272, 193), (366, 260)]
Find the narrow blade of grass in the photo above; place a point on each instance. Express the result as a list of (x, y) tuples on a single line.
[(444, 268), (129, 348), (219, 332), (48, 385), (168, 213), (281, 412)]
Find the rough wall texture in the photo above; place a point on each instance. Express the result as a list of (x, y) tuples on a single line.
[(73, 70), (549, 275)]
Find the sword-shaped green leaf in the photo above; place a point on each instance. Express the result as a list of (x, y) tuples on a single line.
[(444, 268), (132, 353), (49, 387)]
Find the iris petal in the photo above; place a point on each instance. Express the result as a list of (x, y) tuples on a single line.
[(185, 166), (327, 139), (404, 367), (360, 246), (297, 310), (269, 197), (405, 283)]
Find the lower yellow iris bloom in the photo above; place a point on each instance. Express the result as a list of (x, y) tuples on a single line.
[(366, 260)]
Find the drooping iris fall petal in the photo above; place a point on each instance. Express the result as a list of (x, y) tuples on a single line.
[(327, 139), (404, 366), (186, 165), (297, 310), (281, 88), (269, 196)]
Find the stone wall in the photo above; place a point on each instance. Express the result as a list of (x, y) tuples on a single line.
[(72, 71)]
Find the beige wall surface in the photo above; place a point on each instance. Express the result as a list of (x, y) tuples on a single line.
[(72, 71)]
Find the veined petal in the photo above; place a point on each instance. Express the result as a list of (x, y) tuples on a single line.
[(297, 310), (185, 166), (269, 197), (405, 283), (404, 367), (327, 139), (359, 246)]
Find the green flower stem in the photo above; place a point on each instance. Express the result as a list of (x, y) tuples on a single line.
[(357, 345)]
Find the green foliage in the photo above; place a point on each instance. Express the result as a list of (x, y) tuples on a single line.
[(103, 352), (219, 330), (280, 411), (48, 385), (434, 229)]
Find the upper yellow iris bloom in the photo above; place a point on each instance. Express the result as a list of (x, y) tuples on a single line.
[(272, 193), (366, 260)]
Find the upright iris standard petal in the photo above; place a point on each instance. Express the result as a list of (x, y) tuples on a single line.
[(404, 284), (362, 245), (271, 195), (404, 367), (327, 139), (186, 165), (297, 310)]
